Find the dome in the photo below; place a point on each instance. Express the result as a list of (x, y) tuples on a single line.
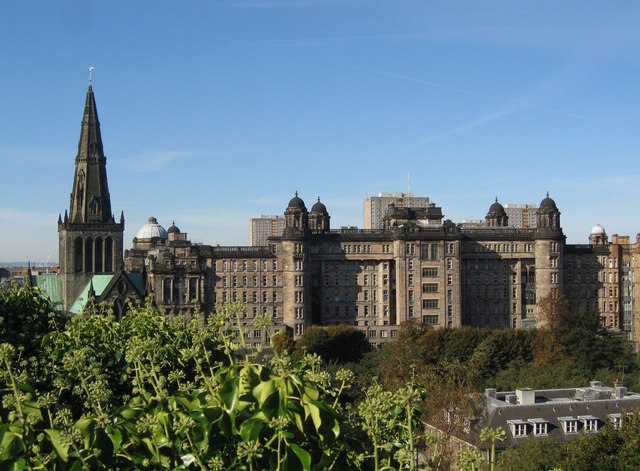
[(548, 203), (296, 202), (597, 230), (173, 228), (319, 207), (152, 229), (497, 208)]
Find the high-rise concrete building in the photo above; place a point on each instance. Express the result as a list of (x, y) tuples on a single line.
[(521, 216), (375, 206), (260, 229)]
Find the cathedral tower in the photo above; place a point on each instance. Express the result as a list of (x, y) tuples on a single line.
[(90, 240)]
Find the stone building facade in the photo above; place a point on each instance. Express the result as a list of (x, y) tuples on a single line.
[(417, 266)]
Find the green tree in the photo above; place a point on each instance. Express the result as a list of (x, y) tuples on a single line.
[(25, 318), (337, 343)]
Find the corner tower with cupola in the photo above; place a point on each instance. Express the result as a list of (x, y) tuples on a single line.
[(90, 239), (549, 249)]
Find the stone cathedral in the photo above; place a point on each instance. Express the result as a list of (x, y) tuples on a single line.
[(419, 265)]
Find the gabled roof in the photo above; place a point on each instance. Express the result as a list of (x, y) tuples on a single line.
[(102, 286), (99, 283)]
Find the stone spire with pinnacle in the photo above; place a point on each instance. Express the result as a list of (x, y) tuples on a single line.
[(90, 200)]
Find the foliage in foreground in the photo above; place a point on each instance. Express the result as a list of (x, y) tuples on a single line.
[(154, 393)]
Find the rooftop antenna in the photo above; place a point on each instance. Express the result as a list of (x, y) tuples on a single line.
[(90, 75)]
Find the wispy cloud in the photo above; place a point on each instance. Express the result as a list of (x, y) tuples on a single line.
[(25, 219), (541, 93), (154, 159), (277, 4), (42, 156)]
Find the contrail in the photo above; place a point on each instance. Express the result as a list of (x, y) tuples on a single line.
[(433, 84)]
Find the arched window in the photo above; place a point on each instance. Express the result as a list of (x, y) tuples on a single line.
[(88, 255), (98, 254), (77, 255), (93, 207), (108, 255)]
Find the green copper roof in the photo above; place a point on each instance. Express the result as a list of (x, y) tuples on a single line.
[(100, 282), (136, 279), (51, 285)]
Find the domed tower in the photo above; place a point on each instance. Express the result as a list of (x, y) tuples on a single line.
[(549, 243), (548, 214), (319, 217), (296, 215), (150, 235), (175, 234), (497, 216), (598, 236)]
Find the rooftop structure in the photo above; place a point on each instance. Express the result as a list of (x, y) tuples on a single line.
[(376, 206), (557, 413)]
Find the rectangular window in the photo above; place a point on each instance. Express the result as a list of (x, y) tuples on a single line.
[(430, 272), (429, 304), (519, 429), (410, 280), (539, 427), (433, 319), (570, 426), (429, 287)]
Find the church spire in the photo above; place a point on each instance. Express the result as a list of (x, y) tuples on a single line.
[(90, 201)]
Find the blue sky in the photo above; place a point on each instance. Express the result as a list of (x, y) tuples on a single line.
[(215, 112)]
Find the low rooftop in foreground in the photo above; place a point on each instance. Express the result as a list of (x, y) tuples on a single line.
[(558, 413)]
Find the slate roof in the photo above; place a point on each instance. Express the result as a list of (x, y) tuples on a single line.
[(555, 407)]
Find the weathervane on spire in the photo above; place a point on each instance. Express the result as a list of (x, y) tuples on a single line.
[(90, 75)]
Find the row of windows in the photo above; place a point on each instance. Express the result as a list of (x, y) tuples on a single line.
[(500, 248), (383, 334), (246, 297), (244, 265), (244, 281)]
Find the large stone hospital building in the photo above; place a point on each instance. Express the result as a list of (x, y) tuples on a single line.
[(418, 265)]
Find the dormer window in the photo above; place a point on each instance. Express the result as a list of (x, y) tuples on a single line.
[(616, 420), (569, 424), (518, 428), (540, 427), (590, 423)]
